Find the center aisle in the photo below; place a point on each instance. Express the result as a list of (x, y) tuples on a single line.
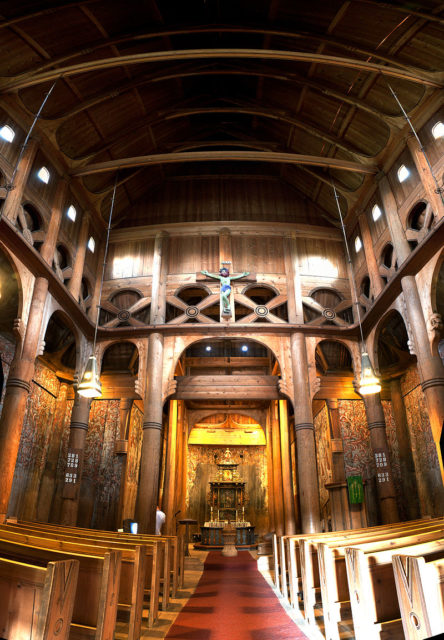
[(232, 601)]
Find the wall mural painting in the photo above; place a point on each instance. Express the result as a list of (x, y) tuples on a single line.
[(252, 469), (34, 441), (102, 468), (355, 435), (133, 462), (423, 446), (7, 349), (323, 455)]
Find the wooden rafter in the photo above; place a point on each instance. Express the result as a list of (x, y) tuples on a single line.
[(226, 155), (413, 74)]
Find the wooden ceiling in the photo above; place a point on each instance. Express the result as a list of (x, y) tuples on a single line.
[(198, 91)]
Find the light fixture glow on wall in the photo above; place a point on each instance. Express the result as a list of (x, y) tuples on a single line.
[(89, 386), (438, 130), (369, 383)]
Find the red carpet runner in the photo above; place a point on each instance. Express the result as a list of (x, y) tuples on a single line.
[(232, 601)]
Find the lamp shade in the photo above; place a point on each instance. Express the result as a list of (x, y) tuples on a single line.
[(89, 386), (369, 382)]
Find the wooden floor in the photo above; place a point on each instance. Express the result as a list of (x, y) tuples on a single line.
[(193, 572)]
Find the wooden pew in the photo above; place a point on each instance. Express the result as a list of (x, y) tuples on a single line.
[(333, 579), (95, 602), (292, 546), (155, 550), (139, 569), (37, 602), (173, 553), (420, 589), (371, 581)]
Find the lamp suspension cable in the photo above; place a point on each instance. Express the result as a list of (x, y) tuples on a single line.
[(10, 185), (438, 189), (369, 382), (90, 386)]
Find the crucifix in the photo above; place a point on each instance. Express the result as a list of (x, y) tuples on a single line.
[(225, 287)]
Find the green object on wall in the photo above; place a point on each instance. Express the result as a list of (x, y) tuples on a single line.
[(355, 489)]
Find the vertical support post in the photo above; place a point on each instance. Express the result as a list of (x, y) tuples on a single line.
[(76, 446), (303, 416), (384, 476), (152, 423), (15, 195), (338, 467), (171, 464), (279, 518), (430, 367), (426, 176), (305, 438), (408, 477), (270, 474), (75, 284), (376, 283), (290, 525), (126, 405), (49, 246)]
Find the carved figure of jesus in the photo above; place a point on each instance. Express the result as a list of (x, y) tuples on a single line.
[(225, 287)]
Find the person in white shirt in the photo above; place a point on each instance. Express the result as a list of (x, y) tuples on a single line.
[(160, 519)]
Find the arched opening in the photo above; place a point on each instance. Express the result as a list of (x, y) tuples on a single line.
[(393, 345), (332, 358), (388, 263), (62, 263)]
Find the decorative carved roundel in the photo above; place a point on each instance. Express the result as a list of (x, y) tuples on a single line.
[(124, 315), (192, 312), (329, 314), (261, 311)]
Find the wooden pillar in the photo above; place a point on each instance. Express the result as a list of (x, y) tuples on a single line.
[(378, 441), (75, 284), (48, 480), (270, 474), (14, 198), (184, 462), (180, 462), (376, 282), (426, 177), (94, 309), (152, 437), (408, 476), (50, 243), (430, 367), (287, 484), (18, 386), (303, 417), (125, 407), (279, 517), (78, 429), (305, 438), (170, 471), (152, 423)]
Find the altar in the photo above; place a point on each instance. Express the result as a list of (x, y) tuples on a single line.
[(226, 502)]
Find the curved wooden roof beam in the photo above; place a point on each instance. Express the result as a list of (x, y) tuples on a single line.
[(182, 112), (193, 30), (274, 114), (199, 71), (215, 156), (430, 79)]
